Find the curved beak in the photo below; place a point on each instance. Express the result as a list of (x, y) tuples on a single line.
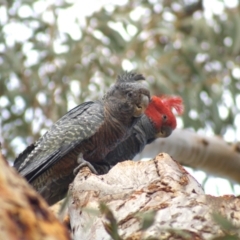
[(165, 131), (140, 109)]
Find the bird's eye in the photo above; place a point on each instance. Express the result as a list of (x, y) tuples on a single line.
[(164, 117)]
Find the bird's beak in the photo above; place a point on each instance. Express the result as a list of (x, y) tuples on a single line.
[(140, 109), (165, 131)]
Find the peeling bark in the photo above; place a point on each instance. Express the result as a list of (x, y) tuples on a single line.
[(182, 209), (23, 213), (210, 154)]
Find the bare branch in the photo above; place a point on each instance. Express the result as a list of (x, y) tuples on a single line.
[(130, 194), (210, 154), (23, 213)]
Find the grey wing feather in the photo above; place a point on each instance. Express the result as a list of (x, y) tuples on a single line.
[(77, 125), (22, 156)]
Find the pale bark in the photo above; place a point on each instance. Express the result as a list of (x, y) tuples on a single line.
[(183, 211), (210, 154), (23, 212)]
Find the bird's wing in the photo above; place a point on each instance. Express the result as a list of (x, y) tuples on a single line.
[(22, 156), (78, 124)]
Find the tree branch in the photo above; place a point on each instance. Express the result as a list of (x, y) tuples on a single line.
[(23, 213), (210, 154), (156, 199)]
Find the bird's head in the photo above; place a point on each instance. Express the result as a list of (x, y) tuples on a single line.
[(159, 111), (128, 95)]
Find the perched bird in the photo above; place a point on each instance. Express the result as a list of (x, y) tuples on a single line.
[(158, 121), (83, 136)]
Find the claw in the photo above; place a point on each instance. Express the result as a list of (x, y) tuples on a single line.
[(101, 167), (83, 163)]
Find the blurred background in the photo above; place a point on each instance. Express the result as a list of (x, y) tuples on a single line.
[(57, 54)]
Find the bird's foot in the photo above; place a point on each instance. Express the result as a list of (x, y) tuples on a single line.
[(83, 163), (101, 167)]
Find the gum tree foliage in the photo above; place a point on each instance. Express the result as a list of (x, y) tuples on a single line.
[(45, 71)]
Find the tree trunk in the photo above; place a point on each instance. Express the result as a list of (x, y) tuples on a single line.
[(210, 154), (144, 199), (23, 212)]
